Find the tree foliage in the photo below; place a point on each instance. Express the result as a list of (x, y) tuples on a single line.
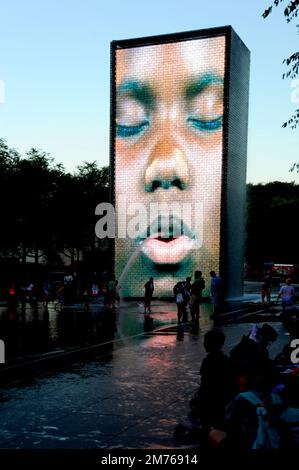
[(291, 11), (47, 212), (272, 234)]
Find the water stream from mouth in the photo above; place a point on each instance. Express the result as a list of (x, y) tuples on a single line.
[(131, 260)]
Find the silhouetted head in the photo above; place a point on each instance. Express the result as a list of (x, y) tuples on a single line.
[(197, 274), (214, 340), (212, 274), (267, 335)]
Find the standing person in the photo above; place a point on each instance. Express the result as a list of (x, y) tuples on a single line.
[(94, 291), (86, 296), (12, 294), (60, 295), (105, 292), (68, 287), (111, 293), (215, 290), (29, 292), (148, 294), (287, 294), (266, 288), (117, 295), (187, 297), (196, 292), (46, 293), (178, 291)]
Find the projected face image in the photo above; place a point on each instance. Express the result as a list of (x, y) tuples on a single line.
[(168, 149)]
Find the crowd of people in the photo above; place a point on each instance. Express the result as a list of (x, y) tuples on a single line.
[(188, 296), (286, 292), (187, 293), (69, 290), (245, 399)]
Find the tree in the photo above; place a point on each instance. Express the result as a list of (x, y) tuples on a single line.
[(36, 178), (47, 212), (9, 160), (271, 235), (93, 183), (290, 12)]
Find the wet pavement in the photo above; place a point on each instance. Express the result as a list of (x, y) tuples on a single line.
[(34, 330), (129, 397)]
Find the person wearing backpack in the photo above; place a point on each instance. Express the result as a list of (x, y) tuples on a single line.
[(255, 417), (268, 434)]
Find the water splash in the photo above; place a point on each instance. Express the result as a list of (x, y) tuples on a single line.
[(131, 260)]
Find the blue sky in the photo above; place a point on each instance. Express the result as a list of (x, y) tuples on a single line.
[(55, 68)]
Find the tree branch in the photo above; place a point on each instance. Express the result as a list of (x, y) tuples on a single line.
[(291, 11), (293, 122), (292, 61)]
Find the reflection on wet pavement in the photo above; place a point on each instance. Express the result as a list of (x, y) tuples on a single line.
[(132, 397)]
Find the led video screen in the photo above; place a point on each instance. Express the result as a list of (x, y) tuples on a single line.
[(167, 159)]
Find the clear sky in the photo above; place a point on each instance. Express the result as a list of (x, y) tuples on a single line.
[(55, 73)]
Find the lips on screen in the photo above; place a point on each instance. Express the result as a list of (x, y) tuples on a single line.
[(168, 159)]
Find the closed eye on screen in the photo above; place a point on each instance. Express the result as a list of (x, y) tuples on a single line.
[(203, 125), (129, 131)]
